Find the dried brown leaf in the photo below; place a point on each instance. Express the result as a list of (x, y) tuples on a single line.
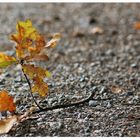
[(53, 42), (96, 30), (137, 25), (7, 124), (40, 57), (116, 89)]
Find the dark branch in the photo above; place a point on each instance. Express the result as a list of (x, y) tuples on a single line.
[(28, 81), (57, 106), (66, 105)]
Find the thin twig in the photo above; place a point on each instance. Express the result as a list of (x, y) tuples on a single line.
[(65, 105), (57, 106), (28, 81)]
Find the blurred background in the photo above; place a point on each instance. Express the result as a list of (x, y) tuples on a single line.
[(99, 49)]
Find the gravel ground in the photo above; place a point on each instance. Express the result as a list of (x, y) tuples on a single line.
[(107, 63)]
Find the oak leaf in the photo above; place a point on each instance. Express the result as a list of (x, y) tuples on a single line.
[(6, 102), (6, 60), (40, 86), (38, 57), (6, 124), (33, 71)]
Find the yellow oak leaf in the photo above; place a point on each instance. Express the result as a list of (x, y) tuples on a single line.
[(6, 60), (29, 40), (33, 71), (26, 30), (40, 86)]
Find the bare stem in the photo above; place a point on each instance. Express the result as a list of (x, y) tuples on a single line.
[(57, 106), (66, 105), (31, 94)]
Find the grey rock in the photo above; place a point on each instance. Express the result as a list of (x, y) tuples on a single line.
[(55, 125), (82, 85), (109, 105), (134, 65), (103, 89), (93, 103)]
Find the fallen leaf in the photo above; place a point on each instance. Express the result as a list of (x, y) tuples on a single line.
[(7, 124), (96, 30), (53, 42), (116, 89), (137, 25), (6, 102)]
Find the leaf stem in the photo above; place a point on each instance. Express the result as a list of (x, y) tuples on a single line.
[(31, 94)]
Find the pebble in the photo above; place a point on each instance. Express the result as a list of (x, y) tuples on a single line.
[(103, 89), (109, 105), (55, 125), (82, 85), (93, 103), (134, 65)]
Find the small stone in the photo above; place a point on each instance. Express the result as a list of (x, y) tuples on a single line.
[(17, 79), (129, 93), (55, 125), (39, 119), (108, 105), (134, 65), (93, 103), (82, 85), (94, 88), (110, 52), (81, 131), (82, 79), (87, 130), (102, 90), (136, 98)]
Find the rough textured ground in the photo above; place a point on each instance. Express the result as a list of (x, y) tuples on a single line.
[(84, 62)]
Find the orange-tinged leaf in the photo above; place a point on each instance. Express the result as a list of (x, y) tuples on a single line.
[(40, 86), (39, 44), (53, 42), (7, 124), (6, 102), (25, 37), (137, 25), (30, 43), (6, 60), (15, 37)]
